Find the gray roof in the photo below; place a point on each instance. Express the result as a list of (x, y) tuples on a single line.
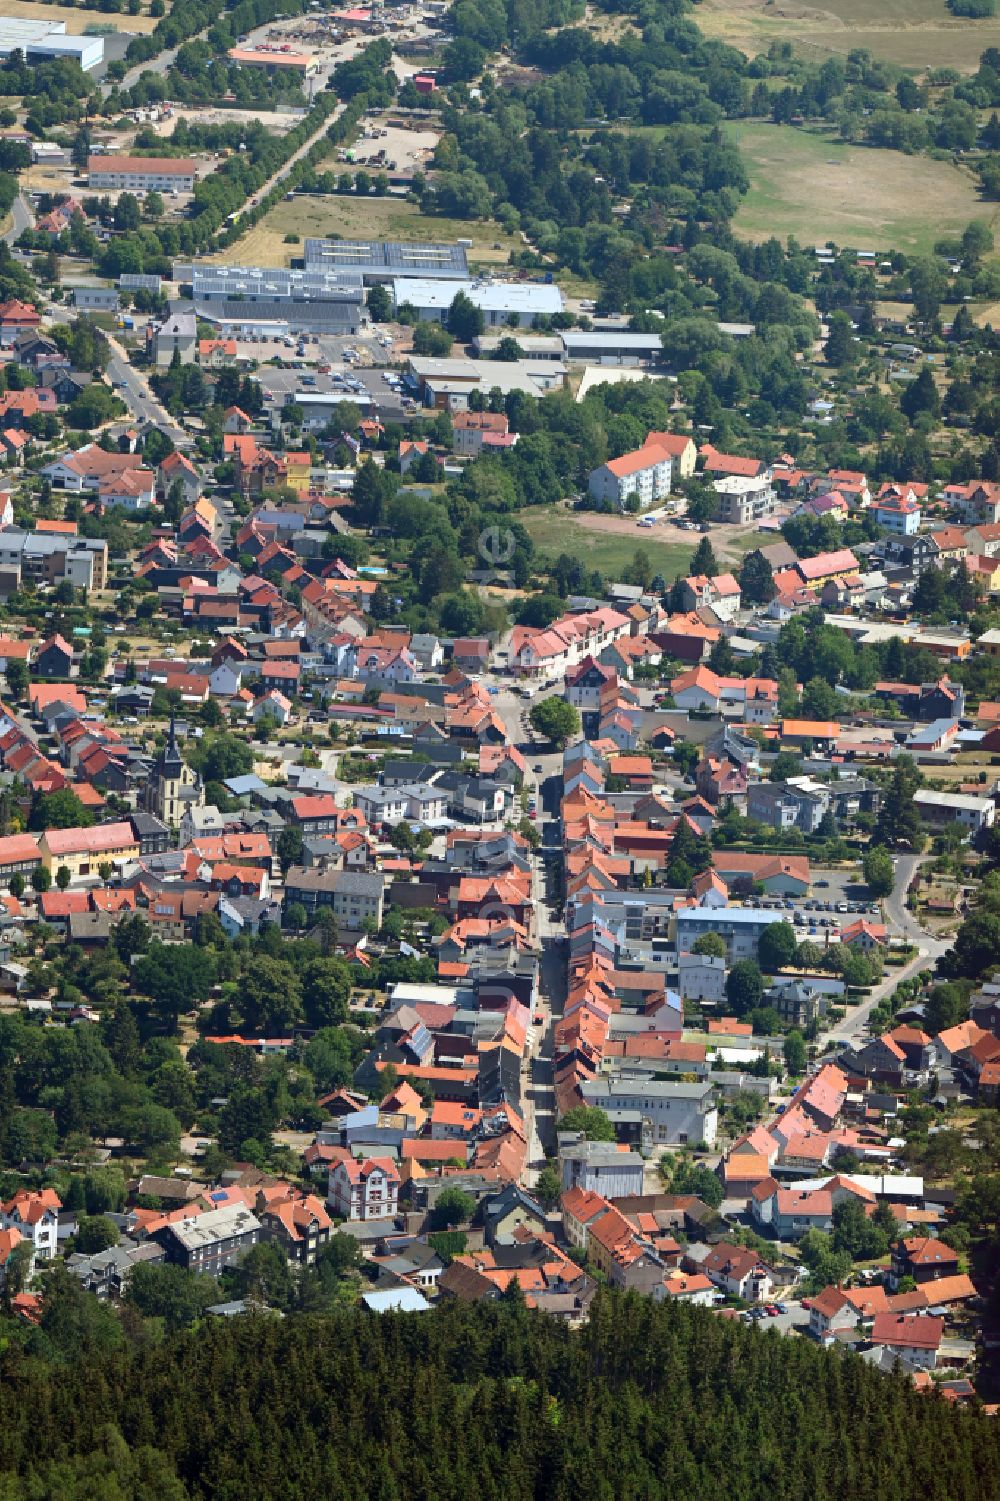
[(627, 1086), (147, 823), (419, 258), (243, 786), (218, 1224), (350, 882)]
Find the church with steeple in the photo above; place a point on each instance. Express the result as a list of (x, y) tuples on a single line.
[(173, 786)]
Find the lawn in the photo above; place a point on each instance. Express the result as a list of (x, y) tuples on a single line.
[(609, 543), (809, 185), (351, 218), (915, 34)]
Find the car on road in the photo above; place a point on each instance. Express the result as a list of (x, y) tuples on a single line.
[(781, 1307), (772, 1310)]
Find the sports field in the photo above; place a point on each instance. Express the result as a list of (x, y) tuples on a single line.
[(810, 186), (915, 34)]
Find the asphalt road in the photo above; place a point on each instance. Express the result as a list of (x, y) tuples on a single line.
[(284, 170), (929, 950), (539, 1076), (135, 392), (22, 218)]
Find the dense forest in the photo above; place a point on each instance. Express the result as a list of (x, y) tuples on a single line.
[(486, 1403)]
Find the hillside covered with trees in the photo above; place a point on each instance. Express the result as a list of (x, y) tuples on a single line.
[(488, 1402)]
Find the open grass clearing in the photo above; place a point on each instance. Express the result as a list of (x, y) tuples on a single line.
[(609, 543), (916, 34), (813, 187), (76, 21), (352, 218)]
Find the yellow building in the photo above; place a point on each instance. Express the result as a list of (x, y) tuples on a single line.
[(299, 469), (84, 851)]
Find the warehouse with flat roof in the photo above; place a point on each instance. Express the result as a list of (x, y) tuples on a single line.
[(42, 41), (252, 297), (517, 304), (384, 260)]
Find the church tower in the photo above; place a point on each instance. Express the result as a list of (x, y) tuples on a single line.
[(173, 786)]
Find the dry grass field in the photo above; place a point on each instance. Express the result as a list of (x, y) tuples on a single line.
[(915, 34), (76, 21), (817, 189), (361, 218), (609, 543)]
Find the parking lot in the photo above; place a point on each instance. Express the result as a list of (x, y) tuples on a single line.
[(348, 382)]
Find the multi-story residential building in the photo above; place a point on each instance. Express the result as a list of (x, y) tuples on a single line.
[(898, 512), (35, 1215), (738, 927), (677, 1113), (422, 802), (316, 813), (118, 479), (141, 174), (366, 1190), (924, 1258), (721, 594), (643, 475), (177, 334), (740, 1272), (783, 805), (600, 1167), (797, 1002), (913, 1340), (19, 856), (355, 897), (701, 977), (549, 650), (211, 1241), (298, 1223), (84, 851), (745, 498), (474, 430), (51, 557)]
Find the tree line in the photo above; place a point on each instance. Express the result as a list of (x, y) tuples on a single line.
[(491, 1401)]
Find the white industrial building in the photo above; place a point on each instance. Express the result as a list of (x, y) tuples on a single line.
[(42, 41), (512, 303)]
